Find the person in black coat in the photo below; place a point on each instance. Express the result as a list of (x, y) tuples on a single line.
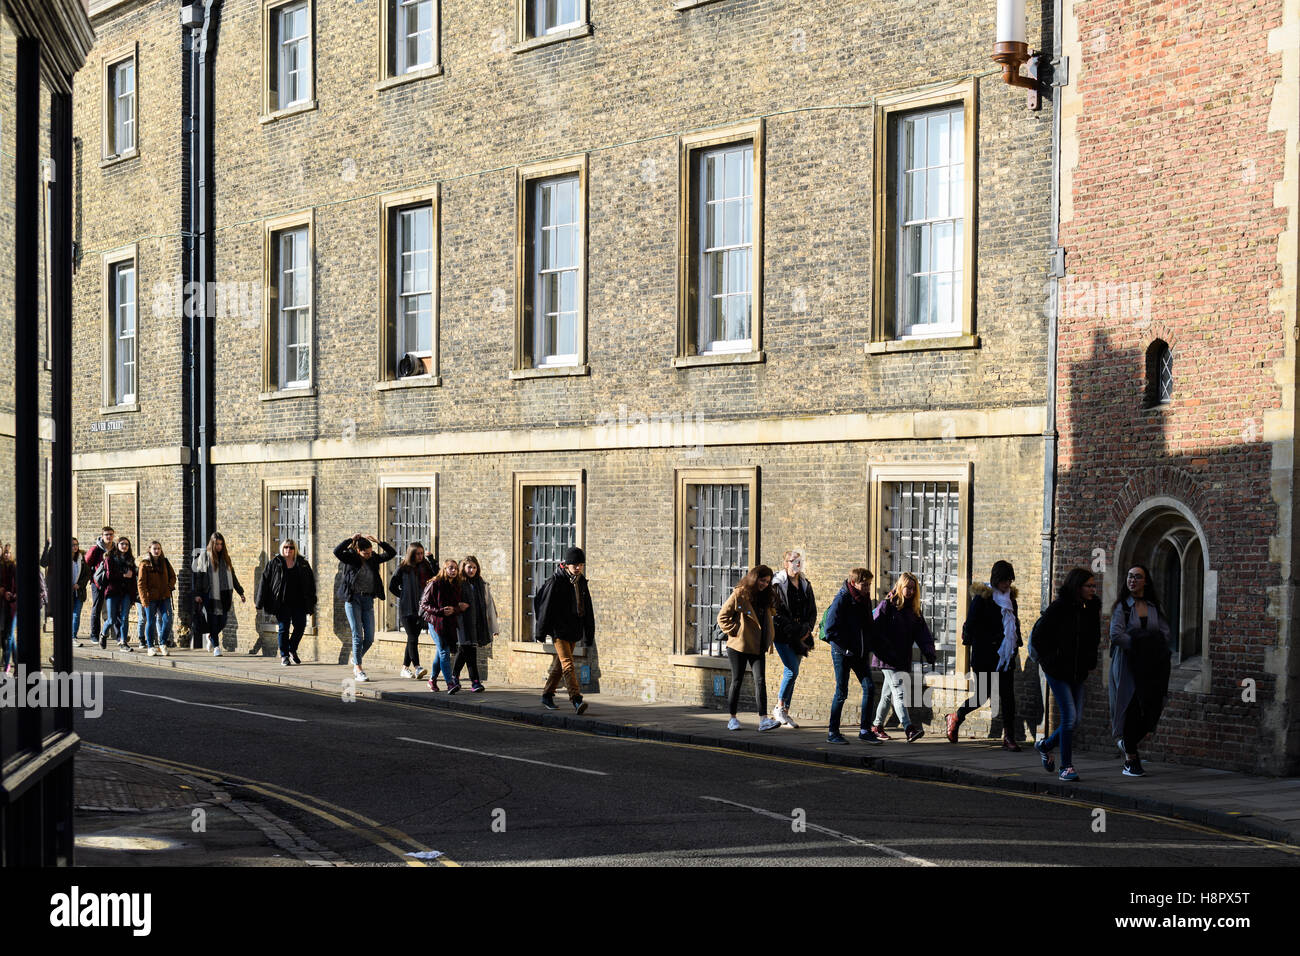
[(1064, 642), (288, 593), (407, 585), (1140, 663), (849, 629), (562, 610), (992, 632), (360, 582)]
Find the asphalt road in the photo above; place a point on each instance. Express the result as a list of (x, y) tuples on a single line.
[(375, 780)]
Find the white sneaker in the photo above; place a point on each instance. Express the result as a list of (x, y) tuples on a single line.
[(360, 676), (162, 651), (406, 672), (767, 723), (421, 673), (151, 652), (216, 651), (782, 717), (733, 724)]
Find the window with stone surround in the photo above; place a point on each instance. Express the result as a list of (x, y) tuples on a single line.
[(288, 56), (720, 235), (410, 36), (717, 532), (924, 214), (287, 516), (120, 110), (408, 515), (408, 326), (549, 516), (536, 19), (121, 329), (288, 320)]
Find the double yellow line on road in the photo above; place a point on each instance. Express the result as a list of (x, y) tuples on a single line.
[(385, 837)]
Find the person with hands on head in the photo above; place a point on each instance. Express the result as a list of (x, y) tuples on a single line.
[(899, 624), (360, 582), (747, 618), (156, 586), (287, 592), (214, 582), (562, 611), (795, 617), (1140, 659), (850, 630), (441, 605), (1064, 642)]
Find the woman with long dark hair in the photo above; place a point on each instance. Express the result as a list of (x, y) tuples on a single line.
[(155, 587), (407, 585), (1139, 665), (747, 619), (478, 625), (121, 591), (213, 584), (1064, 642), (795, 617)]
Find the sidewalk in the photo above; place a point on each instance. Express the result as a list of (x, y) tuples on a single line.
[(131, 813), (1264, 807)]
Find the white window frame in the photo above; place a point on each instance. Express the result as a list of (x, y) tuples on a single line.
[(114, 263), (293, 242), (543, 357), (275, 366), (707, 295), (537, 11), (391, 209), (276, 100), (120, 112), (402, 10), (300, 44)]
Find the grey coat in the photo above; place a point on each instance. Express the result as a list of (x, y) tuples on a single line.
[(1124, 690)]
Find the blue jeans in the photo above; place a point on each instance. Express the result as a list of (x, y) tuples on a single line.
[(790, 658), (1069, 698), (119, 611), (860, 667), (77, 602), (444, 656), (10, 642), (361, 618), (289, 630), (155, 618)]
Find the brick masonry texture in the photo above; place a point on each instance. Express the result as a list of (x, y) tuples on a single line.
[(623, 95), (1179, 185)]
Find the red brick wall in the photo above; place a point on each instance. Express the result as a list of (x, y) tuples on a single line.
[(1174, 188)]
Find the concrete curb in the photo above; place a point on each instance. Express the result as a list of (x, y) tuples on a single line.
[(895, 766)]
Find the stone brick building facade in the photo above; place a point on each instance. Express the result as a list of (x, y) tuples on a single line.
[(678, 422), (1177, 341)]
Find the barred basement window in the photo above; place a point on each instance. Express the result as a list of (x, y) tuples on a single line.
[(286, 516), (717, 558), (289, 520), (549, 527), (407, 519), (922, 535)]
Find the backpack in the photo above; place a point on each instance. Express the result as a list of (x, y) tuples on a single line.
[(101, 574), (821, 625)]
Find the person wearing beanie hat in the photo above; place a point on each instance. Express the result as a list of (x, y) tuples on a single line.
[(562, 611), (992, 632)]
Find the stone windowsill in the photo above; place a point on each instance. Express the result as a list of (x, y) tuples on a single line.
[(719, 358), (120, 409), (412, 381), (550, 371), (308, 392), (691, 4), (532, 43), (304, 107), (534, 647), (703, 660), (119, 158), (923, 344), (387, 83)]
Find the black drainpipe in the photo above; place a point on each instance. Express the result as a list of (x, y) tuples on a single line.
[(199, 43)]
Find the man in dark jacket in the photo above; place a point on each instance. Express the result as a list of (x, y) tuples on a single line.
[(360, 582), (288, 593), (94, 558), (849, 630), (562, 610), (992, 632)]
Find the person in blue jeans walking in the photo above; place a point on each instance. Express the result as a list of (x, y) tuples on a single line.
[(157, 581), (1064, 643), (287, 592), (361, 580), (796, 616), (849, 631), (121, 591)]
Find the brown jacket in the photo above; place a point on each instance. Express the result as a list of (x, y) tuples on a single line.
[(746, 631), (157, 580)]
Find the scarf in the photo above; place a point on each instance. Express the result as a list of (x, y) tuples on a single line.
[(1008, 649), (218, 577)]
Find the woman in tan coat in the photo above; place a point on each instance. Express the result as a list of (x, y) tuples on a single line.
[(746, 619), (157, 582)]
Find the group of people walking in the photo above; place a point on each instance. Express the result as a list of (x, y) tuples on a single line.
[(770, 612)]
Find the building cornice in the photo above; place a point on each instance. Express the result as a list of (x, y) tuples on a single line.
[(63, 28)]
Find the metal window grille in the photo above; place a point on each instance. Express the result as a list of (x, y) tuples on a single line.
[(550, 529), (718, 556), (923, 530), (1166, 375), (726, 188), (931, 198), (409, 521), (290, 521)]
